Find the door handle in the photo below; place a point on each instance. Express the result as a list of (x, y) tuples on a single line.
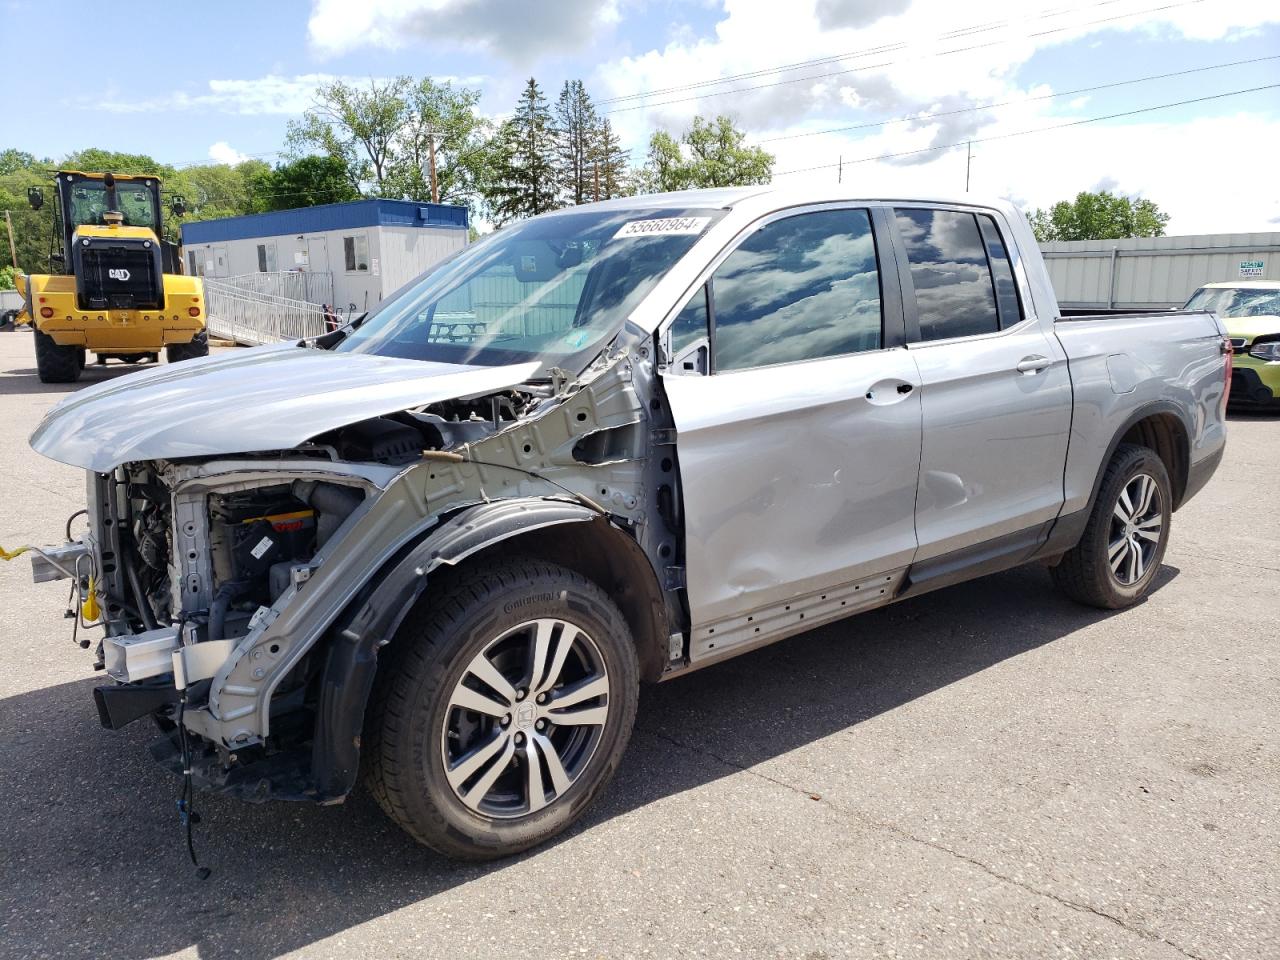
[(1033, 364), (886, 392)]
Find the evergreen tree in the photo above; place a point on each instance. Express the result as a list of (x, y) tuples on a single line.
[(611, 164), (575, 139), (525, 181)]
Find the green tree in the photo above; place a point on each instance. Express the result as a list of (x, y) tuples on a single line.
[(358, 126), (611, 162), (32, 229), (441, 121), (524, 179), (1099, 216), (711, 153), (12, 161), (6, 277), (575, 134), (304, 182)]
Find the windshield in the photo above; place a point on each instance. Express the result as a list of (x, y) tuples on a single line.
[(1236, 301), (552, 289), (89, 203)]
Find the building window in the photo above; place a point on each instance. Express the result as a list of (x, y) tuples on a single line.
[(266, 258), (356, 251)]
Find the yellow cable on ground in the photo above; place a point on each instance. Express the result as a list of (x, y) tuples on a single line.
[(9, 555)]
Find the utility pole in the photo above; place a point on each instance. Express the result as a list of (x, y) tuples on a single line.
[(13, 251), (840, 169), (968, 161), (431, 148), (595, 172)]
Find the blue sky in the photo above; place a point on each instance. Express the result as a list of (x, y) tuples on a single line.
[(232, 75)]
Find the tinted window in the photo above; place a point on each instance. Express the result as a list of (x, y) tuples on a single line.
[(798, 288), (1007, 302), (954, 294), (553, 289), (690, 324)]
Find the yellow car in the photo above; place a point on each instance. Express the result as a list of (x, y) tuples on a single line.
[(1250, 309)]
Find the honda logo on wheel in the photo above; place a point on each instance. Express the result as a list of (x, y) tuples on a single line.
[(120, 274)]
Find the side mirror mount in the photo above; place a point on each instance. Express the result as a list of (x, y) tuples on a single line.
[(178, 205), (35, 197)]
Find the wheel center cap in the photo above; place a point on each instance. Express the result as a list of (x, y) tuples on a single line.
[(526, 714)]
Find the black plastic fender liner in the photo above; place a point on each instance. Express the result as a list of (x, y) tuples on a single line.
[(353, 651)]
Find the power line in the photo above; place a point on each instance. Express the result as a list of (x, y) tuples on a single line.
[(889, 63), (1006, 103), (835, 58), (1024, 133)]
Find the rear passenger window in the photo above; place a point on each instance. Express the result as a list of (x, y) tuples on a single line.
[(954, 293), (1007, 302), (799, 288)]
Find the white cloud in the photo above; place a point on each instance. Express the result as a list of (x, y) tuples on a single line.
[(898, 73), (223, 152), (272, 94), (519, 31)]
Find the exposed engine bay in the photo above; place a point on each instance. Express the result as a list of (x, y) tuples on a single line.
[(234, 591)]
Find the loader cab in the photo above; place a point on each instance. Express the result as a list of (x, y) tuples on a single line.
[(111, 239)]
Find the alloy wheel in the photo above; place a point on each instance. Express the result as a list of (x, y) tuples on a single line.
[(1137, 524), (525, 718)]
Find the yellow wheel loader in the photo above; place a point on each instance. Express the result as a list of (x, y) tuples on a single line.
[(119, 291)]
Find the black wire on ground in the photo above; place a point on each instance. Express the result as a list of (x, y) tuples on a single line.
[(186, 802)]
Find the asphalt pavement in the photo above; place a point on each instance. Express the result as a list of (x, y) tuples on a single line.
[(987, 771)]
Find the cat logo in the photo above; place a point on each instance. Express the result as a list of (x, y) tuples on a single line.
[(120, 274)]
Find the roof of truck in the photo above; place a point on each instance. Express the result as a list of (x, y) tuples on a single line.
[(785, 196)]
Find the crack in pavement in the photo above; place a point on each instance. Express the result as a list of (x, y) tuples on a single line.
[(932, 844)]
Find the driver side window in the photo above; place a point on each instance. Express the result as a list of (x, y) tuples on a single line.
[(800, 288)]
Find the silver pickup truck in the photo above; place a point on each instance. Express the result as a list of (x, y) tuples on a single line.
[(609, 445)]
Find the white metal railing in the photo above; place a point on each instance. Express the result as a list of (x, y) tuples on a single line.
[(253, 318), (301, 285)]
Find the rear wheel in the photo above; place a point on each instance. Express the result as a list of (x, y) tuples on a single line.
[(56, 364), (198, 347), (503, 709), (1123, 545)]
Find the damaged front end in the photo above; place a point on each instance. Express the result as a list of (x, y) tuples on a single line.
[(242, 597)]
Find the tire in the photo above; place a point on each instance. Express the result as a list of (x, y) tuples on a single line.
[(8, 318), (198, 347), (56, 364), (417, 736), (1116, 560)]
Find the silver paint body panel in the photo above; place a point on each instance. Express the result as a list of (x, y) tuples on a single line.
[(793, 479), (266, 398)]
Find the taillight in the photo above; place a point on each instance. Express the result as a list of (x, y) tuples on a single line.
[(194, 311), (1226, 372), (46, 312)]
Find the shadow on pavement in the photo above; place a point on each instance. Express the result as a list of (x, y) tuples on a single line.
[(94, 861)]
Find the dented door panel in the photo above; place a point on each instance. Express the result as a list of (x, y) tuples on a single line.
[(795, 478)]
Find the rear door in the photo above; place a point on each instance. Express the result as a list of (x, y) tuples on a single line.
[(797, 414), (996, 396)]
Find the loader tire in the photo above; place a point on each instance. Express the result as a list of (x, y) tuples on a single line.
[(198, 347), (56, 364)]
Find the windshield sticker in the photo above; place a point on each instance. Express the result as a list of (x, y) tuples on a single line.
[(663, 227), (576, 338)]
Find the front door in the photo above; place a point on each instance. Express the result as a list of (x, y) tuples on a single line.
[(799, 447), (995, 392)]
